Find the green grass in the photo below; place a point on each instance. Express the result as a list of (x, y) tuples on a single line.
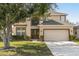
[(26, 48), (76, 40)]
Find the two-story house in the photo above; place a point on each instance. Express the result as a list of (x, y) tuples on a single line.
[(54, 28)]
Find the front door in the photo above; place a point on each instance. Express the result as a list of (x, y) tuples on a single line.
[(35, 33)]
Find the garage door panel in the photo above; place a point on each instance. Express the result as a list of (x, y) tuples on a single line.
[(56, 35)]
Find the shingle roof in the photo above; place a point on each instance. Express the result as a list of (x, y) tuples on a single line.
[(51, 22)]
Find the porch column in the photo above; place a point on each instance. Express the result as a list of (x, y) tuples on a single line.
[(28, 27), (41, 36)]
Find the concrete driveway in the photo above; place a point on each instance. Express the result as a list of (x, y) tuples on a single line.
[(63, 48)]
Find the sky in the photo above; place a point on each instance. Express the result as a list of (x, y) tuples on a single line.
[(72, 9)]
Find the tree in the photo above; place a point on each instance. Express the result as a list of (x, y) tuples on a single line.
[(12, 13), (40, 9), (9, 14)]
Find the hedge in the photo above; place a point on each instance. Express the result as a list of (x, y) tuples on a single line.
[(16, 37)]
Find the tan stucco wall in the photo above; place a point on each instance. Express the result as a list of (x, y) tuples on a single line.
[(55, 17), (70, 28), (28, 28)]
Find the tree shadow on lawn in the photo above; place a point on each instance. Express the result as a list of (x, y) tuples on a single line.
[(26, 49), (33, 50)]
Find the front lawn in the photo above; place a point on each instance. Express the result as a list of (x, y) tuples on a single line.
[(26, 48)]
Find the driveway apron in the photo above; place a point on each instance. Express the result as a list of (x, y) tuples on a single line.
[(63, 48)]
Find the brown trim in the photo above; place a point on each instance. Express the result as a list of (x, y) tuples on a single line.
[(56, 29)]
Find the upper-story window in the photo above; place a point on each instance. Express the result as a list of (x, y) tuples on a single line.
[(35, 21), (63, 18)]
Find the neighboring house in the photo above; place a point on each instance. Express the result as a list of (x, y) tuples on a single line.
[(76, 31), (54, 28)]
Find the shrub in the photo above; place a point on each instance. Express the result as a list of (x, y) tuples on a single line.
[(16, 37), (41, 37), (72, 37), (27, 37)]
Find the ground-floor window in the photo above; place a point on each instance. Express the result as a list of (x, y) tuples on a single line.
[(20, 31)]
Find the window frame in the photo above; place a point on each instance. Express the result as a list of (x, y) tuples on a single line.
[(20, 30)]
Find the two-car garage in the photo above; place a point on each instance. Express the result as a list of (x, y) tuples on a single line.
[(54, 30), (56, 35)]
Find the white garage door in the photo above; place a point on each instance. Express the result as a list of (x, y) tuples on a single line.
[(56, 35)]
